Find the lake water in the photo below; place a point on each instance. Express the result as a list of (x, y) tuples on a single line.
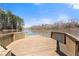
[(74, 32), (30, 32)]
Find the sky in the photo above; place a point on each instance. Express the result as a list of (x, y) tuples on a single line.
[(43, 13)]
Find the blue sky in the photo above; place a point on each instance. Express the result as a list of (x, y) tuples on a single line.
[(41, 13)]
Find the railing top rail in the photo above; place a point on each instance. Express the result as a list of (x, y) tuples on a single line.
[(70, 35), (1, 35)]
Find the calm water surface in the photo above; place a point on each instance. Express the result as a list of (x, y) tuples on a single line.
[(30, 32)]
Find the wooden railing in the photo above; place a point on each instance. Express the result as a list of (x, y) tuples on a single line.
[(6, 39), (66, 43), (4, 51)]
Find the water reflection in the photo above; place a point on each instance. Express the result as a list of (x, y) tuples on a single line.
[(29, 32)]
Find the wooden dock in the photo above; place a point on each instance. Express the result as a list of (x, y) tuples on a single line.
[(35, 45)]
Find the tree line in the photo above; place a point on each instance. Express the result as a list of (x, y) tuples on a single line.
[(72, 23), (10, 21)]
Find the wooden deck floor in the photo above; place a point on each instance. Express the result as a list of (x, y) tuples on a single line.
[(34, 46)]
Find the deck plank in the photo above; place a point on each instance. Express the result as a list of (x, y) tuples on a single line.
[(34, 46)]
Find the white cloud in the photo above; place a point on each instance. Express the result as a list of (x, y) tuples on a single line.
[(74, 5), (63, 18), (43, 21), (46, 21), (39, 21), (27, 25), (38, 4)]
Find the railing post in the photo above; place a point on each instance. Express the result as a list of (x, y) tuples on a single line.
[(13, 36), (51, 34), (76, 49)]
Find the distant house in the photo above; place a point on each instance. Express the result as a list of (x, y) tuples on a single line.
[(67, 43)]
